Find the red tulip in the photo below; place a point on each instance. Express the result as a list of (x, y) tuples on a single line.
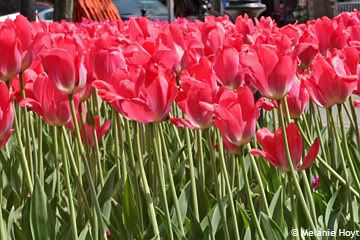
[(274, 148), (142, 95), (273, 71), (228, 69), (297, 99), (106, 60), (331, 81), (66, 69), (236, 117), (329, 34), (31, 42), (100, 129), (193, 103), (10, 52), (48, 102), (6, 114)]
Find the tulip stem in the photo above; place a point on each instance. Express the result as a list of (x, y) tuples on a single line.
[(68, 186), (24, 162), (192, 174), (160, 168), (355, 120), (87, 169), (343, 162), (40, 152), (57, 164), (148, 198), (293, 204), (27, 137), (227, 186), (172, 184), (346, 147), (200, 155), (292, 170), (217, 191), (259, 180), (248, 193)]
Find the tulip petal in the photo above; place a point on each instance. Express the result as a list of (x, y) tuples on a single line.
[(311, 156)]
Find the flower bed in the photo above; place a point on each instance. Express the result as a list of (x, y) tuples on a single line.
[(144, 129)]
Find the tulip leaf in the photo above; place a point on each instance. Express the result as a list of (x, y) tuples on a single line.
[(41, 220), (272, 229), (107, 190), (276, 208), (130, 209)]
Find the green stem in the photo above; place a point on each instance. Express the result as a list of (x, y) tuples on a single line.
[(292, 170), (87, 169), (346, 148), (343, 162), (227, 187), (40, 152), (57, 164), (68, 186), (172, 184), (248, 193), (200, 155), (217, 190), (24, 162), (122, 161), (148, 198), (27, 129), (355, 120), (192, 174), (293, 206), (160, 168), (259, 180)]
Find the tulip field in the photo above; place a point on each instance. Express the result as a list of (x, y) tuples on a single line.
[(193, 129)]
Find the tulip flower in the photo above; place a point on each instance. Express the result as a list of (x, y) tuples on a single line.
[(331, 81), (10, 52), (90, 126), (142, 95), (66, 68), (6, 114), (316, 182), (329, 34), (106, 59), (236, 116), (31, 42), (274, 148), (228, 69), (273, 70), (48, 102), (193, 103), (297, 99)]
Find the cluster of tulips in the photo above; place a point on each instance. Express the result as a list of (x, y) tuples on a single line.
[(184, 130)]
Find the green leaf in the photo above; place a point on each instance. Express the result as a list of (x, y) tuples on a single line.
[(272, 229), (107, 190), (41, 218), (329, 208), (130, 210), (277, 208)]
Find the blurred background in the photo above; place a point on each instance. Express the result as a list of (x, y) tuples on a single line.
[(283, 11)]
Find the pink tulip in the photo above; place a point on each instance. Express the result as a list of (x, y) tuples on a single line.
[(274, 148), (6, 114), (106, 59), (142, 95), (273, 70), (66, 68), (236, 116), (297, 99), (331, 81), (31, 42), (228, 69), (10, 52), (48, 102), (100, 129)]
